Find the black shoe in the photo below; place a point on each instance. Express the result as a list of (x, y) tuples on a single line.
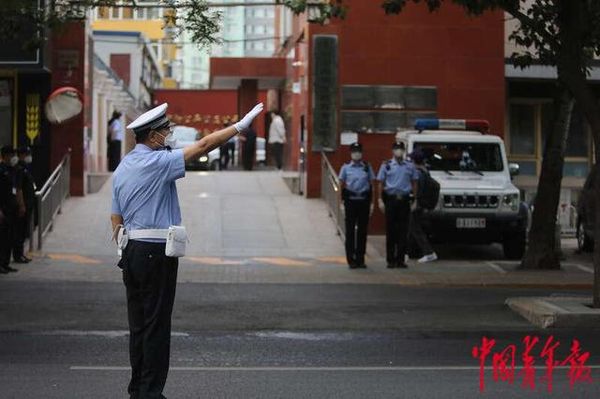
[(361, 266), (402, 265), (353, 266), (22, 259), (391, 265), (10, 269)]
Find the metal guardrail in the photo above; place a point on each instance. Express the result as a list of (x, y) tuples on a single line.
[(330, 192), (50, 199)]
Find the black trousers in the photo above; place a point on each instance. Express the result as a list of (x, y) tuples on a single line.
[(397, 213), (114, 154), (357, 221), (150, 278), (418, 235), (7, 233), (278, 154), (248, 154), (21, 233)]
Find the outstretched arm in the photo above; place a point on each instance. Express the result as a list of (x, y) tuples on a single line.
[(216, 139)]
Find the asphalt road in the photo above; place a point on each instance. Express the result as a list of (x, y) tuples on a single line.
[(68, 340)]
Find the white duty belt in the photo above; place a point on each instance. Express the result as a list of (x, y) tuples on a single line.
[(148, 233)]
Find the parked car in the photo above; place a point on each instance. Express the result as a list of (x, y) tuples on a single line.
[(585, 215), (186, 135)]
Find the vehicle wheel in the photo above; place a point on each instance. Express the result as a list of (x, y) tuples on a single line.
[(215, 165), (584, 241), (514, 245)]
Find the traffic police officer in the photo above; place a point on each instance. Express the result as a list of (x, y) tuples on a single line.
[(145, 200), (356, 177), (28, 188), (398, 180), (11, 205)]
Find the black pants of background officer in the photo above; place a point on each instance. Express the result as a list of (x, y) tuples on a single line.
[(397, 215), (114, 154), (6, 239), (21, 233), (150, 278), (357, 220)]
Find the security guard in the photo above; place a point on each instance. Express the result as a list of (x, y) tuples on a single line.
[(11, 205), (28, 188), (398, 180), (356, 177), (145, 204)]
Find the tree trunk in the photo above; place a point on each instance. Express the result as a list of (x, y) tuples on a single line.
[(541, 251)]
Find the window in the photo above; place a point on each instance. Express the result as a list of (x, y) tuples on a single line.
[(115, 12), (482, 157), (140, 13), (127, 12), (384, 109), (103, 12), (530, 121), (522, 129)]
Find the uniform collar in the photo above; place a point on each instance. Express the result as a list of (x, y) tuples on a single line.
[(356, 163), (143, 148)]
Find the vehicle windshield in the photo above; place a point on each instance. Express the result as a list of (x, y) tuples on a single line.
[(184, 133), (478, 157)]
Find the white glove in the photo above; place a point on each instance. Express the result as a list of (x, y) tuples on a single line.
[(381, 205), (371, 207), (248, 118)]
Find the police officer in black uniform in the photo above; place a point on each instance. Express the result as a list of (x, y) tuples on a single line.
[(356, 179), (11, 205), (28, 189)]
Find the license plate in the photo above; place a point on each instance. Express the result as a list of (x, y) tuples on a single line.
[(470, 223)]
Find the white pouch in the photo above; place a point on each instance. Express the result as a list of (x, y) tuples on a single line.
[(176, 240), (122, 240)]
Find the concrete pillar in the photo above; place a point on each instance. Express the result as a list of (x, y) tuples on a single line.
[(247, 98)]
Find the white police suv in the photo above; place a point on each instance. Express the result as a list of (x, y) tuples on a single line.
[(478, 204)]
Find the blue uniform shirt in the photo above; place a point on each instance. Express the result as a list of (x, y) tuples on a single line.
[(144, 191), (398, 178), (357, 179)]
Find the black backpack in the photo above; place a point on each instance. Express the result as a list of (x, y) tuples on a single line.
[(429, 190)]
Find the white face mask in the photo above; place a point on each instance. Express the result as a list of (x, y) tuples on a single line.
[(28, 159), (398, 153), (356, 156), (170, 141), (14, 160)]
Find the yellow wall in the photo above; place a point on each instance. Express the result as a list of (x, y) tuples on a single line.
[(169, 83), (152, 29)]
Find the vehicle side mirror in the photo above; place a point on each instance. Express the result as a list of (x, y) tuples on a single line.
[(513, 169)]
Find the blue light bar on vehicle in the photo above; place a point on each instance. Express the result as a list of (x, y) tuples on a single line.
[(479, 125)]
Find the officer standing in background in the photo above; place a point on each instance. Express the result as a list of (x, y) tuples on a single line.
[(398, 180), (145, 205), (11, 205), (356, 179), (28, 189)]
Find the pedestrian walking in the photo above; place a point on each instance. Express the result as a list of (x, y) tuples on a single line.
[(28, 189), (11, 205), (116, 134), (356, 177), (416, 231), (397, 180), (277, 137), (146, 222)]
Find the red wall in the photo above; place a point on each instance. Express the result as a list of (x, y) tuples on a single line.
[(121, 64), (205, 109), (70, 134), (460, 55)]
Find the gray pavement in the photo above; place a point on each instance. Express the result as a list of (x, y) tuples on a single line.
[(267, 308)]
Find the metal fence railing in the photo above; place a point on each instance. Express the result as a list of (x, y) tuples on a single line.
[(330, 192), (50, 199)]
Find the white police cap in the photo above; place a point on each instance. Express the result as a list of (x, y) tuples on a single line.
[(154, 119)]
